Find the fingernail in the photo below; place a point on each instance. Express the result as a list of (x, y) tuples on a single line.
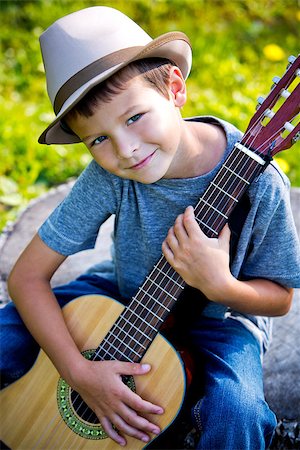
[(146, 366)]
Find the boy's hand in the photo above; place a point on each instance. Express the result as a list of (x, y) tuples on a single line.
[(101, 387), (202, 262)]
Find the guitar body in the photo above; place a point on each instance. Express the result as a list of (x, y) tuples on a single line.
[(30, 416)]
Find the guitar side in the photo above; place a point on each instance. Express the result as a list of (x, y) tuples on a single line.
[(29, 413)]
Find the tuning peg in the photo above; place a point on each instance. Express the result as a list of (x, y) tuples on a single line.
[(276, 80), (288, 126), (285, 93), (292, 59), (269, 113), (260, 101)]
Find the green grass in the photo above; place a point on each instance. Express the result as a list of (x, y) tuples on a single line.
[(238, 46)]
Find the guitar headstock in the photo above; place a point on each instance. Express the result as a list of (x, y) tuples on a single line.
[(275, 126)]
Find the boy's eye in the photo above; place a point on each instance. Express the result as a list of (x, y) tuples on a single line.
[(133, 119), (98, 140)]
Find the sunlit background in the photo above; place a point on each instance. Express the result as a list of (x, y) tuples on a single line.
[(238, 47)]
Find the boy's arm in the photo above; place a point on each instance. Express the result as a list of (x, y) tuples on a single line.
[(112, 401), (204, 264)]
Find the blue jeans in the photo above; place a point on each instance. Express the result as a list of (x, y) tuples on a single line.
[(231, 414)]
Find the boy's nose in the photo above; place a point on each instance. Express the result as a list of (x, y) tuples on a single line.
[(125, 149)]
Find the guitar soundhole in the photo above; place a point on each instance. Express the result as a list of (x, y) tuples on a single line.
[(75, 412), (82, 409)]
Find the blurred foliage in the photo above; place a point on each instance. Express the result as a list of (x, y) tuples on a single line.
[(238, 46)]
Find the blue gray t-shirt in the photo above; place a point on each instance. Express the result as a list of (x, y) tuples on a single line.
[(145, 212)]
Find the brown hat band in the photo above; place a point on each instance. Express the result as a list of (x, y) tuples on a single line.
[(91, 71)]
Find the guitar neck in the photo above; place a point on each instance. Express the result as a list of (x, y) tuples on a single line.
[(226, 189), (141, 320)]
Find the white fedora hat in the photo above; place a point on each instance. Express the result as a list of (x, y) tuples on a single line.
[(86, 47)]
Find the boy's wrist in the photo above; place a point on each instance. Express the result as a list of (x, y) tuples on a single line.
[(73, 369), (219, 292)]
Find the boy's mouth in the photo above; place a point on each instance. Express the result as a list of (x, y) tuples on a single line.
[(143, 162)]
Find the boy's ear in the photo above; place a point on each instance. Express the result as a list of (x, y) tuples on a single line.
[(177, 87)]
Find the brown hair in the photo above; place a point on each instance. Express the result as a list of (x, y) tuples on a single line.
[(155, 71)]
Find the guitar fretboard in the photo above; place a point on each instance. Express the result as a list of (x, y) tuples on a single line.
[(139, 323)]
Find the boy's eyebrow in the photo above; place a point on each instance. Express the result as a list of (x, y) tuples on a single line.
[(131, 109), (86, 138)]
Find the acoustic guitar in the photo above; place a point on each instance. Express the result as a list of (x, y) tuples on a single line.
[(40, 410)]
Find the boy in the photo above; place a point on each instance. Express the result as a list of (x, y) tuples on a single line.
[(120, 92)]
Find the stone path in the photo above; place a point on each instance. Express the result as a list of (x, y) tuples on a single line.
[(282, 362)]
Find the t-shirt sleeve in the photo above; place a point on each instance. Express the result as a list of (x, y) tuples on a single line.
[(74, 225), (274, 250)]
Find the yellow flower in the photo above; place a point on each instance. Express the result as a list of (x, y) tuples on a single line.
[(283, 164), (273, 52)]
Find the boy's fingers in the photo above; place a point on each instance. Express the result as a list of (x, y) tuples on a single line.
[(112, 433), (172, 238), (130, 423), (128, 368), (189, 220), (224, 236), (129, 430)]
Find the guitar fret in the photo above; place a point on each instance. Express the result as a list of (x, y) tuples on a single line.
[(120, 340), (130, 336), (215, 209), (112, 356), (111, 334), (153, 298), (157, 279), (132, 326), (155, 294), (227, 193), (163, 290), (147, 323), (207, 226), (236, 174), (119, 351), (149, 310), (174, 281)]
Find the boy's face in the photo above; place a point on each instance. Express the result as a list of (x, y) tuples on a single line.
[(137, 135)]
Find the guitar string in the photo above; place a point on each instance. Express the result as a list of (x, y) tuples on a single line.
[(86, 410), (126, 333), (154, 280), (130, 336), (211, 194), (147, 314)]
